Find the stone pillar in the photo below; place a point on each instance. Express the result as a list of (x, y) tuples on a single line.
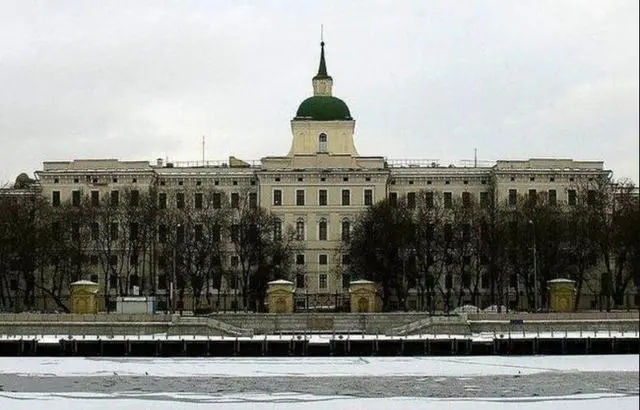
[(364, 296), (83, 297), (280, 296), (562, 294)]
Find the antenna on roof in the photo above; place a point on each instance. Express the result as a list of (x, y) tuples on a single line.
[(475, 157), (321, 32)]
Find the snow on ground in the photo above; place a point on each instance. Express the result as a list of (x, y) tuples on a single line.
[(294, 401), (315, 366)]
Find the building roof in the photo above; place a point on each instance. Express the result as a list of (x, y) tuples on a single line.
[(323, 108)]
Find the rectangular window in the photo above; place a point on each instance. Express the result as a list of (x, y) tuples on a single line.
[(277, 197), (300, 197), (428, 232), (180, 234), (113, 280), (322, 197), (466, 278), (55, 198), (95, 198), (322, 230), (253, 200), (513, 197), (448, 233), (448, 200), (162, 200), (553, 197), (134, 198), (300, 280), (198, 232), (180, 200), (572, 198), (75, 198), (322, 259), (197, 200), (235, 261), (216, 233), (346, 231), (277, 230), (466, 232), (113, 231), (115, 198), (484, 199), (368, 197), (95, 231), (133, 231), (533, 196), (216, 200), (466, 199), (235, 200), (322, 281), (393, 198), (428, 199), (300, 259), (346, 197), (162, 233), (235, 232), (346, 280), (162, 282), (300, 230), (411, 200), (75, 231)]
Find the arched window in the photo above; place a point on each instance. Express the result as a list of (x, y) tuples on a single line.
[(322, 230), (346, 230), (277, 229), (300, 229), (322, 142)]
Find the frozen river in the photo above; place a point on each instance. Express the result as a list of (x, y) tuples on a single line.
[(531, 382)]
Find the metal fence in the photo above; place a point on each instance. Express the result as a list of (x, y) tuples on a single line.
[(434, 302)]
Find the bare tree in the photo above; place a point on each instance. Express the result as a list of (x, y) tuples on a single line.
[(263, 246), (380, 237)]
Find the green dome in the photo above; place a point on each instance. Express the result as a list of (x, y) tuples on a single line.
[(323, 108)]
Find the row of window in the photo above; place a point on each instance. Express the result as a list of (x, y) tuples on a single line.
[(199, 202), (467, 198), (214, 201), (113, 232), (323, 197), (447, 197), (94, 180), (552, 197), (323, 230), (114, 198)]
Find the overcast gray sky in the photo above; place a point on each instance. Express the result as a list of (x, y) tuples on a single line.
[(423, 79)]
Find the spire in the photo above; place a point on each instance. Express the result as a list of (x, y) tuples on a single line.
[(322, 69), (322, 82)]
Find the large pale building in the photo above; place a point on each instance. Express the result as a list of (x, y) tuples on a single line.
[(321, 184)]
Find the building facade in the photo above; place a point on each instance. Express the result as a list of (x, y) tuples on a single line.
[(319, 187)]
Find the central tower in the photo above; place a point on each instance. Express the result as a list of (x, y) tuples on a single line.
[(323, 123)]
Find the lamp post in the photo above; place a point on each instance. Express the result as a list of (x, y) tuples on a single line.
[(535, 269)]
